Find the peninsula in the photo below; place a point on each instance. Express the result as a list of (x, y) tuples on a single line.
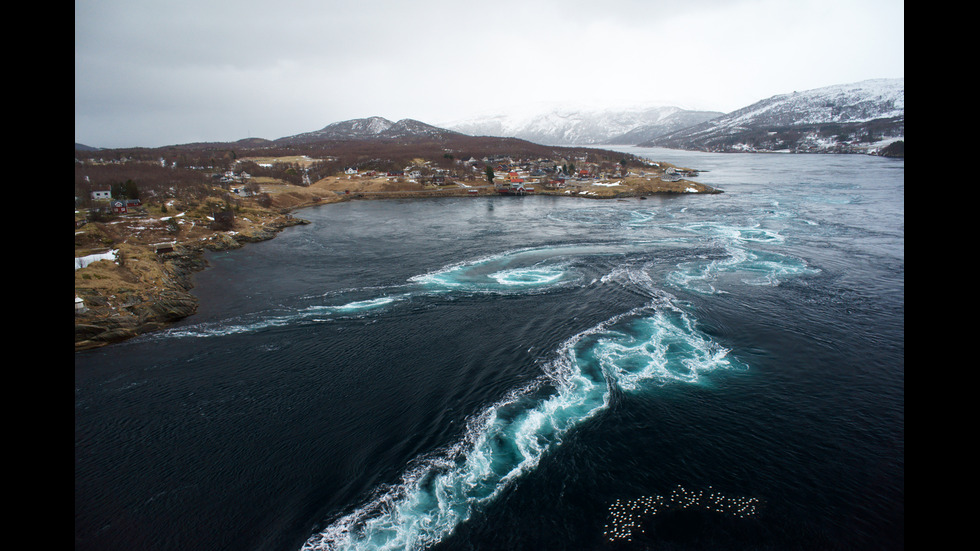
[(144, 218)]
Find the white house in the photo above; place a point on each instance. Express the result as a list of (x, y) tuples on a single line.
[(99, 195)]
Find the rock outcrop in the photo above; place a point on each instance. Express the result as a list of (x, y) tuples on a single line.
[(142, 303)]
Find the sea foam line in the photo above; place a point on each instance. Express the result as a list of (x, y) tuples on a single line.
[(521, 270), (657, 344), (264, 321)]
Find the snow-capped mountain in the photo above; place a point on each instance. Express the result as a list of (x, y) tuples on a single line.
[(569, 126), (671, 123), (862, 117), (369, 128), (841, 118), (845, 103)]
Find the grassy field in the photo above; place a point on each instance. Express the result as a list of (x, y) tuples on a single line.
[(301, 160)]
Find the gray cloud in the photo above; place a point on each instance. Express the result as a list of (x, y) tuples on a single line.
[(157, 73)]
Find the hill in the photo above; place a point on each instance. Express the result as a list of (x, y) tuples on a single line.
[(371, 128), (372, 143)]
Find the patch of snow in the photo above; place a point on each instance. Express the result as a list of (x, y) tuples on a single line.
[(83, 261)]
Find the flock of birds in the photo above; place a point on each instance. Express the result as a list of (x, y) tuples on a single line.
[(627, 516)]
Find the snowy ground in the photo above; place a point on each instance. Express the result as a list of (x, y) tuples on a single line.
[(83, 261)]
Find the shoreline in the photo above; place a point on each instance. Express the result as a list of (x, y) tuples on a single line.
[(145, 290), (159, 298), (338, 189)]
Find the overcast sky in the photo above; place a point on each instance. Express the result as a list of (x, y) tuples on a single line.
[(151, 73)]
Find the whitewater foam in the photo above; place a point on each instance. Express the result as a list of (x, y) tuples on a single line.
[(656, 344)]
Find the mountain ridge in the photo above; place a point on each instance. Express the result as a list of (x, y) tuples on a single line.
[(572, 126), (861, 117), (370, 128), (844, 118)]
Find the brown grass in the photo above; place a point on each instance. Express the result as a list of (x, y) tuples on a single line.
[(135, 269)]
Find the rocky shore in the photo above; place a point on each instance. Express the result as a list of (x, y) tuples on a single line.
[(148, 290)]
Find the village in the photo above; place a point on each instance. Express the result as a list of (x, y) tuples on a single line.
[(500, 175), (260, 187), (520, 177)]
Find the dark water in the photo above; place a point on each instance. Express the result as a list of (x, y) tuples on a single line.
[(691, 372)]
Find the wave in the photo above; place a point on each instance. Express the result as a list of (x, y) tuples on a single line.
[(739, 259), (654, 345), (265, 320), (748, 266)]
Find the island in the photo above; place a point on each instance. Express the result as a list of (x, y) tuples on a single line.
[(144, 219)]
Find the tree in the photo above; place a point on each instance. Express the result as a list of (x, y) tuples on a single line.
[(126, 190), (223, 220), (253, 188), (490, 174), (264, 200)]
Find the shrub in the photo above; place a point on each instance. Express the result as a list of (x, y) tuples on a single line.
[(223, 220)]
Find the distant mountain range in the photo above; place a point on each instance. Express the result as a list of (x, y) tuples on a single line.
[(565, 126), (858, 117), (847, 118), (862, 117)]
